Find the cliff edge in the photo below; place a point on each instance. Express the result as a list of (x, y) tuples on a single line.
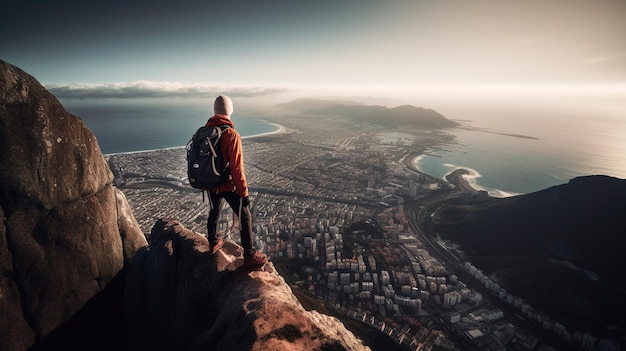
[(179, 297)]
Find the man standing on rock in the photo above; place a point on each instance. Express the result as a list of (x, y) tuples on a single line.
[(235, 190)]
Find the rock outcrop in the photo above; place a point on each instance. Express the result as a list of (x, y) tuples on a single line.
[(77, 273), (65, 230), (179, 297)]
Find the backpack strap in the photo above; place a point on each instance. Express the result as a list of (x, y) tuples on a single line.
[(221, 129), (219, 135)]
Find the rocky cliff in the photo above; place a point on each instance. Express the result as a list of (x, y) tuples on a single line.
[(178, 297), (77, 273), (65, 231)]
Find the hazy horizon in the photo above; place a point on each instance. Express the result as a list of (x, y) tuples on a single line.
[(514, 65), (418, 51), (323, 44)]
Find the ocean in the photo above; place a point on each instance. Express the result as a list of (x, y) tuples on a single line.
[(130, 126), (518, 149), (509, 150)]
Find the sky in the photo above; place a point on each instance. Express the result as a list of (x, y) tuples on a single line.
[(255, 48)]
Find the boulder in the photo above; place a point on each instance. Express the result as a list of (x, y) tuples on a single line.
[(65, 230), (179, 297)]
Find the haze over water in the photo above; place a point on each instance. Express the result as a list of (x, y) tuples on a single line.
[(483, 59), (556, 138), (568, 137), (131, 126)]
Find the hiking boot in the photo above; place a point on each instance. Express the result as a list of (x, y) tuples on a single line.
[(258, 260), (216, 246)]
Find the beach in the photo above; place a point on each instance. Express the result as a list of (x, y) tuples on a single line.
[(461, 178), (279, 130), (529, 157)]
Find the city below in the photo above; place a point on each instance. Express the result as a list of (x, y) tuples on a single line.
[(337, 208)]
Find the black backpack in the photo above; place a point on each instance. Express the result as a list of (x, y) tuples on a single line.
[(205, 163)]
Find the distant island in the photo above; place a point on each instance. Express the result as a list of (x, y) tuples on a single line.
[(396, 117)]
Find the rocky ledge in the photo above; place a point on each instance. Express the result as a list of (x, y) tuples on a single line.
[(179, 297)]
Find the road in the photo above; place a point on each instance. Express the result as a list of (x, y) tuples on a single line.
[(359, 202), (417, 211)]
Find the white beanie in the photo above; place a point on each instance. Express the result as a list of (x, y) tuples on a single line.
[(223, 105)]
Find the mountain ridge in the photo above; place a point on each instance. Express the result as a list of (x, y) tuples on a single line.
[(567, 239), (396, 117)]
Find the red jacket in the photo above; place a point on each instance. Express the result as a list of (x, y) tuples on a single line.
[(230, 146)]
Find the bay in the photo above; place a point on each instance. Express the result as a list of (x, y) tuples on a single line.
[(130, 126), (508, 151), (517, 150)]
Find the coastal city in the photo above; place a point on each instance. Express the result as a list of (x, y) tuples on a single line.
[(337, 210)]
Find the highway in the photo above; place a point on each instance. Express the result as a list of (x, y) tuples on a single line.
[(416, 212)]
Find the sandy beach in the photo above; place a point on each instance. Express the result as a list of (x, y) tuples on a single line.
[(279, 130)]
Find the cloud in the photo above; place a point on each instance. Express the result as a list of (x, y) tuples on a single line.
[(150, 89)]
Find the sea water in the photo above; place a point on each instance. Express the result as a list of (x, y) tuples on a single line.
[(522, 149), (129, 126), (508, 150)]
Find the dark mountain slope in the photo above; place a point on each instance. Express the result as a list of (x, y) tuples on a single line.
[(561, 248)]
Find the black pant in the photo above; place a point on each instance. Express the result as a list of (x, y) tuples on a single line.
[(245, 220)]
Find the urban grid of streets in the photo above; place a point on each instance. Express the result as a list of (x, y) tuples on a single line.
[(345, 202)]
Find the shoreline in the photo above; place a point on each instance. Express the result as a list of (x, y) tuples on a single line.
[(466, 178), (280, 130), (459, 178)]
